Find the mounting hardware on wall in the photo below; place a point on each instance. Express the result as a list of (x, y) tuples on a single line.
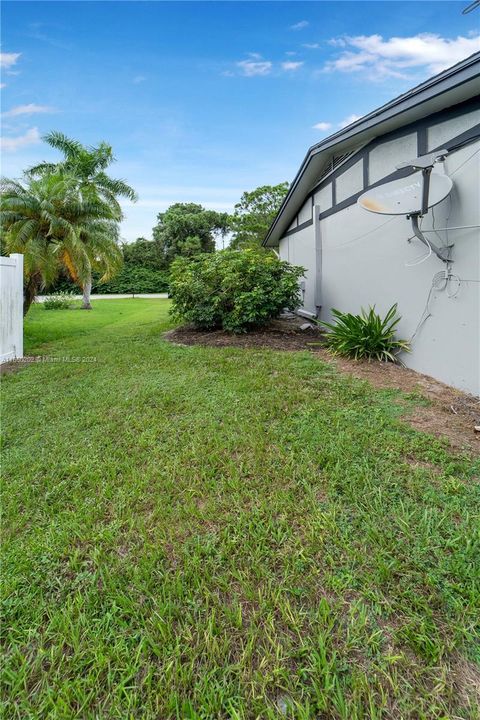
[(413, 196)]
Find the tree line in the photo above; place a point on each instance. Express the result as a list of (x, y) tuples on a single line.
[(65, 218)]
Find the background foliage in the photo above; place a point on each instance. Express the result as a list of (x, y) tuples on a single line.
[(254, 214), (187, 229), (131, 279)]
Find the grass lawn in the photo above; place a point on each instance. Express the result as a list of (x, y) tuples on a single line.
[(208, 533)]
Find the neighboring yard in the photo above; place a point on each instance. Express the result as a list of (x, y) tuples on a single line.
[(207, 533)]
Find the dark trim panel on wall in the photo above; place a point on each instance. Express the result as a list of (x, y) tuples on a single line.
[(454, 144), (365, 170), (460, 140), (422, 141), (421, 128), (294, 230), (422, 100), (405, 172)]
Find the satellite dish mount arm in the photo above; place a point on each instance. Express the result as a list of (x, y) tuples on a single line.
[(442, 253), (426, 172)]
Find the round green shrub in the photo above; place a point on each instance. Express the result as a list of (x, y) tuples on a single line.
[(232, 289)]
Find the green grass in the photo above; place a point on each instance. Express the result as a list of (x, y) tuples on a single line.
[(207, 533)]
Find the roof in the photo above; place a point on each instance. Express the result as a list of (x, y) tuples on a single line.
[(450, 87)]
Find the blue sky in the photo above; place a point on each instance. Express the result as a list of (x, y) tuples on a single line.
[(203, 100)]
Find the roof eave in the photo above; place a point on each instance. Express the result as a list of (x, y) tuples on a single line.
[(458, 74)]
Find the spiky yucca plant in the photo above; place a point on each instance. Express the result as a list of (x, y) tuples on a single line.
[(367, 336)]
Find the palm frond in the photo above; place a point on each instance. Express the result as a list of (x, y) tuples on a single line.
[(68, 146), (116, 187), (43, 168)]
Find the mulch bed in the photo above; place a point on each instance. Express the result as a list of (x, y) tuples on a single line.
[(451, 414), (278, 335)]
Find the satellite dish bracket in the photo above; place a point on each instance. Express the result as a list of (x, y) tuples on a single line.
[(426, 172), (442, 253), (426, 167)]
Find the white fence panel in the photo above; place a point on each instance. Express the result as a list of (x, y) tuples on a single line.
[(11, 307)]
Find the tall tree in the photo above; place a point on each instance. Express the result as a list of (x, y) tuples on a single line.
[(49, 221), (254, 214), (88, 165), (143, 253), (188, 229)]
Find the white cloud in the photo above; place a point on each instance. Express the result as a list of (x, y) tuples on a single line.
[(138, 79), (311, 46), (8, 59), (324, 126), (382, 58), (255, 66), (290, 53), (337, 42), (349, 120), (30, 109), (289, 65), (36, 31), (300, 25), (11, 144), (2, 85)]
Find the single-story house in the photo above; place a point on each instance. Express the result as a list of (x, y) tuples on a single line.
[(355, 258)]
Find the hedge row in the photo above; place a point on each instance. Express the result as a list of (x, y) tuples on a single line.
[(131, 280)]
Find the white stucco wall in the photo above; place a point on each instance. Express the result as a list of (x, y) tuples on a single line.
[(440, 132), (323, 197), (366, 260), (299, 249), (384, 158), (11, 307), (349, 182), (305, 212)]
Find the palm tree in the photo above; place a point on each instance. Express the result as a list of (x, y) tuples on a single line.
[(88, 165), (49, 221), (102, 253)]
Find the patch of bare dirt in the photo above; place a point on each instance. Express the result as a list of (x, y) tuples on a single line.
[(12, 366), (450, 413), (414, 463), (466, 680)]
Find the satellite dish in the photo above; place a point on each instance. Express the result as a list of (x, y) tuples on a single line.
[(405, 196), (412, 196)]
